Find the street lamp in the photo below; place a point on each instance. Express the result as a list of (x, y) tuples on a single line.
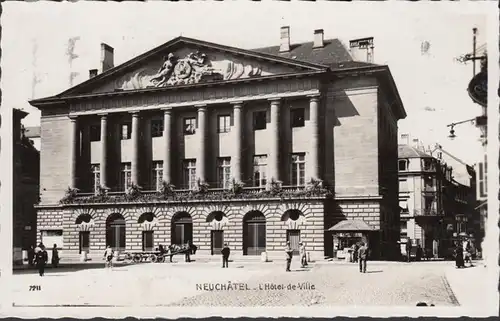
[(452, 126)]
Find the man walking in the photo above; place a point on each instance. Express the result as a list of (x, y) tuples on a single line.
[(55, 256), (225, 256), (289, 255), (108, 256), (41, 259), (363, 256)]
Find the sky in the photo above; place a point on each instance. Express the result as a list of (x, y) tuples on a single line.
[(48, 46)]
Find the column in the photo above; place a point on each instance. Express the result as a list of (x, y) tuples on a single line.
[(135, 148), (74, 148), (104, 149), (313, 159), (273, 157), (167, 144), (201, 158), (238, 137)]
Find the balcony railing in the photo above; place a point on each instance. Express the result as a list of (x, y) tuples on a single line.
[(207, 194), (426, 212)]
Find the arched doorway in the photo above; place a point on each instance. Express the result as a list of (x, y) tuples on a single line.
[(292, 220), (182, 228), (254, 233), (84, 223), (217, 221), (115, 232), (147, 221)]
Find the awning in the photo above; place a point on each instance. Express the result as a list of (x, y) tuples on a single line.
[(481, 205), (403, 204), (351, 225)]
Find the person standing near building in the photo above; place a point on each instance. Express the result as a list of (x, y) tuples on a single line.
[(288, 255), (55, 256), (31, 255), (41, 259), (225, 256), (363, 257), (187, 252), (303, 254), (108, 256), (408, 250)]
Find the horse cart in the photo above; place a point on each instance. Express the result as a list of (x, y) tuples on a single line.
[(156, 256)]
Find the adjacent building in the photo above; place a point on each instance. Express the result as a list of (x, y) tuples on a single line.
[(437, 195), (26, 176), (202, 142)]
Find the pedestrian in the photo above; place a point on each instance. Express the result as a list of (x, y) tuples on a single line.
[(192, 247), (459, 256), (225, 256), (408, 250), (41, 259), (108, 256), (363, 257), (187, 252), (31, 255), (55, 256), (303, 254), (355, 252), (289, 255)]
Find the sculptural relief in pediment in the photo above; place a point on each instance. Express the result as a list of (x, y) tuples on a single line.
[(192, 67)]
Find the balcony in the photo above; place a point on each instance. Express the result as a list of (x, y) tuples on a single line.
[(425, 212), (171, 194)]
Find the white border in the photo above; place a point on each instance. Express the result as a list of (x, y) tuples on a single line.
[(491, 241)]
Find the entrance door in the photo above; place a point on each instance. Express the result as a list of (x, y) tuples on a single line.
[(217, 241), (293, 236), (115, 232), (254, 233), (84, 244), (182, 228), (147, 241)]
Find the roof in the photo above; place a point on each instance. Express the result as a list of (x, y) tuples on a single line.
[(333, 56), (32, 132), (351, 225), (407, 151)]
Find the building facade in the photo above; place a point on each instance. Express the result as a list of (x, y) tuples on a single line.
[(437, 198), (26, 176), (196, 141)]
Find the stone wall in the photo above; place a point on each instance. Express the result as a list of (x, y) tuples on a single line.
[(310, 223)]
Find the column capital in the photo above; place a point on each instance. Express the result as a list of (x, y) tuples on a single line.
[(314, 97), (134, 113), (201, 108), (237, 104), (103, 115), (275, 100), (167, 110), (73, 118)]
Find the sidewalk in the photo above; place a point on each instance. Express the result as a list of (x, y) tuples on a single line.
[(473, 286)]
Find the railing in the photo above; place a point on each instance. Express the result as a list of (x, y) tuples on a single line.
[(182, 195), (426, 213)]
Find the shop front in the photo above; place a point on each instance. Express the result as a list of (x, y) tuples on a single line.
[(348, 233)]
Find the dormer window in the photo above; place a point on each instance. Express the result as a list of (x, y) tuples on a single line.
[(403, 165), (427, 164)]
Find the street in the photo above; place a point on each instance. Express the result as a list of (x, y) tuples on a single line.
[(252, 284)]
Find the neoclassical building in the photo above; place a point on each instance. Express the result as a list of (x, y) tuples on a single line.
[(197, 141)]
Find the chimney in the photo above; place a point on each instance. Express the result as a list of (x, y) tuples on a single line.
[(404, 139), (362, 49), (107, 59), (319, 38), (93, 73), (285, 39)]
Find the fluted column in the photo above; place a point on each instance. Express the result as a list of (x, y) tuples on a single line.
[(135, 148), (74, 148), (167, 144), (313, 159), (104, 150), (238, 136), (274, 138), (201, 158)]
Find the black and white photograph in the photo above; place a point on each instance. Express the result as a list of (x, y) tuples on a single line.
[(241, 158)]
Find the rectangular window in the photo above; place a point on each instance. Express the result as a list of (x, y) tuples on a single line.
[(84, 244), (259, 120), (224, 172), (147, 241), (125, 177), (189, 126), (190, 174), (428, 204), (156, 176), (260, 170), (156, 127), (224, 124), (298, 170), (95, 133), (126, 131), (403, 165), (427, 164), (95, 178), (297, 117)]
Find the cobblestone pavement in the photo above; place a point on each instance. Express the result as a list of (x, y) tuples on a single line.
[(186, 285)]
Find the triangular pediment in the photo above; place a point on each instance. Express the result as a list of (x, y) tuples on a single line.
[(185, 61)]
